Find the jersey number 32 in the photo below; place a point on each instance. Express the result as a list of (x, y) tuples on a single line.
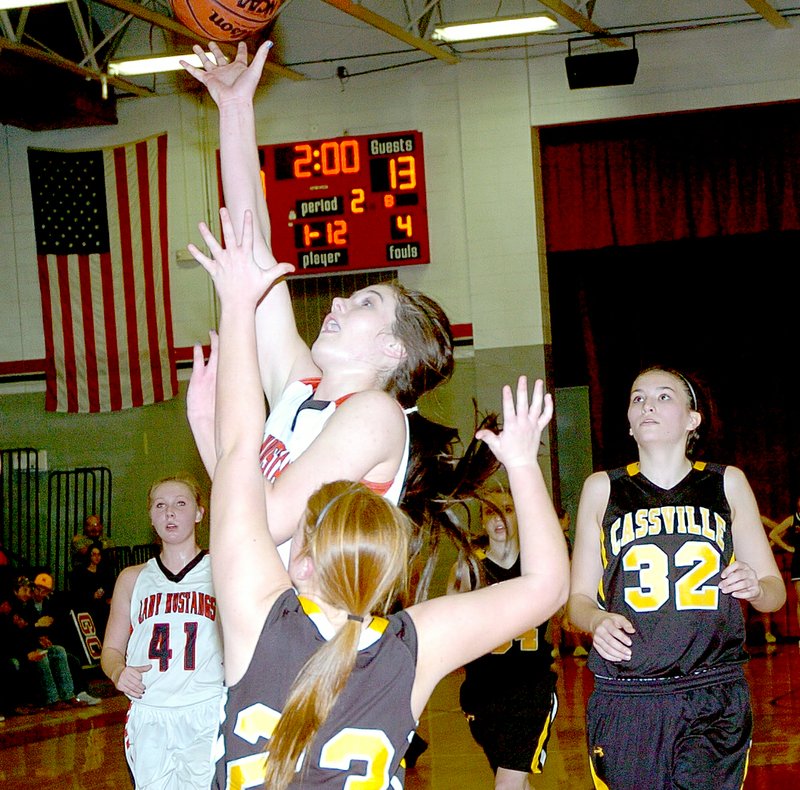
[(652, 564)]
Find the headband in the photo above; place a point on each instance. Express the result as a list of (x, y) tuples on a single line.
[(689, 386)]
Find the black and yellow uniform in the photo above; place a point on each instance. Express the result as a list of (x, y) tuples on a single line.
[(677, 714), (370, 726), (509, 695)]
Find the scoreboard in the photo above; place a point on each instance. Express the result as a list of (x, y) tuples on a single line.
[(347, 203)]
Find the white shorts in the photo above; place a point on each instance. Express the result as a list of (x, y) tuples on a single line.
[(170, 748)]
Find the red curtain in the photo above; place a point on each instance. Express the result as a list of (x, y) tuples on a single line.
[(693, 196), (670, 178)]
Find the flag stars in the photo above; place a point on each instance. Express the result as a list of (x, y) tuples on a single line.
[(69, 202)]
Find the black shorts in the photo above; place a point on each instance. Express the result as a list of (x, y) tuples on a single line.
[(794, 570), (514, 733), (688, 734)]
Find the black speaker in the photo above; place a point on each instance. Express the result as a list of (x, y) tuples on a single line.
[(600, 69)]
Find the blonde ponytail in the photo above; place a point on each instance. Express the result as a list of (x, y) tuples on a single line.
[(358, 544)]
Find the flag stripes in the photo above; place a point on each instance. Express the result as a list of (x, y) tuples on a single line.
[(106, 306)]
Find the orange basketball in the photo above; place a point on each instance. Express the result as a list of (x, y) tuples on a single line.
[(225, 20)]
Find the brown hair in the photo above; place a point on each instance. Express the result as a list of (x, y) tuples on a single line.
[(690, 390), (467, 561), (358, 544), (186, 480), (423, 328)]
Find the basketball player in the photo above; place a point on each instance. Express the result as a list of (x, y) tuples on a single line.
[(163, 649), (665, 551), (509, 695), (330, 684), (338, 410), (789, 529)]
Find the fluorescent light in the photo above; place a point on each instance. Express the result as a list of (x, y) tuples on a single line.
[(5, 5), (153, 65), (495, 27)]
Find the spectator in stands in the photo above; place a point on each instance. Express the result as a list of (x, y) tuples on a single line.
[(92, 536), (92, 584), (46, 666), (53, 627)]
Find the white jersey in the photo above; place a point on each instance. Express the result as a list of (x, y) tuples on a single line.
[(290, 430), (175, 629)]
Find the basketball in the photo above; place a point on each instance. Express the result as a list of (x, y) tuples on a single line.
[(225, 20)]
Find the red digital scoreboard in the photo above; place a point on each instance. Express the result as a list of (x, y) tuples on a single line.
[(347, 203)]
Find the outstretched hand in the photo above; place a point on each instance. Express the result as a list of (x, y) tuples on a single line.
[(239, 281), (201, 393), (517, 444), (229, 81)]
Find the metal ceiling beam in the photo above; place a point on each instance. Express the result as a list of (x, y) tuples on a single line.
[(383, 24), (769, 13), (68, 65), (167, 23), (107, 38), (6, 26), (583, 22), (83, 35)]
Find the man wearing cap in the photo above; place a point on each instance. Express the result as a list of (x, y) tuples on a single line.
[(41, 589), (47, 661), (46, 616)]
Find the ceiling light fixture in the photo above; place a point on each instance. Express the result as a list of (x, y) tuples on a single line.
[(496, 27), (153, 65), (6, 5)]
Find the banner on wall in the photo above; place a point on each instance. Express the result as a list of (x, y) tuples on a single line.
[(101, 244), (87, 635)]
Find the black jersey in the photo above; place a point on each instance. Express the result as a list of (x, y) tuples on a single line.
[(369, 728), (506, 677), (662, 553), (793, 533)]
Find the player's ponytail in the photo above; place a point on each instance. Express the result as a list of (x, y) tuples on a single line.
[(358, 544)]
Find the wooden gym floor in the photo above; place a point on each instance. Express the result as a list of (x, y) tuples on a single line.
[(82, 750)]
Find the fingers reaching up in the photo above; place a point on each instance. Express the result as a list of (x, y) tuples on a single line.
[(229, 80), (517, 444), (237, 278)]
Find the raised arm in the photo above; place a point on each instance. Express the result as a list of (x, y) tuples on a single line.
[(282, 354), (200, 399), (754, 576), (455, 629), (248, 574)]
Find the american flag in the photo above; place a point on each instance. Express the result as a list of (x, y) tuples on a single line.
[(101, 244)]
